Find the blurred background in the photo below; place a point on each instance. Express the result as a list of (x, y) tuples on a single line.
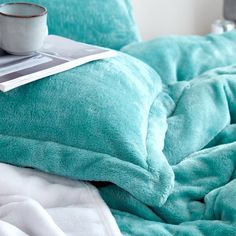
[(165, 17)]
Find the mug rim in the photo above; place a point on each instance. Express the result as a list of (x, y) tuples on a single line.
[(45, 11)]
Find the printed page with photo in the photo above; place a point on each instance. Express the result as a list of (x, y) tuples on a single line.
[(57, 55)]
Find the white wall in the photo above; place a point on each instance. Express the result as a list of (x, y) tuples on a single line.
[(163, 17)]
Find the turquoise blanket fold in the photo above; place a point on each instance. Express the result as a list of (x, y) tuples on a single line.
[(100, 122), (181, 58), (199, 144), (163, 138)]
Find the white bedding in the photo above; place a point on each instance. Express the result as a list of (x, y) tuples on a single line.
[(37, 204)]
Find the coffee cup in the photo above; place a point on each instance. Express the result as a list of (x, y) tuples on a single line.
[(23, 28)]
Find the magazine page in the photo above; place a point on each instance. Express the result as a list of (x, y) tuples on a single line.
[(69, 49), (57, 55), (13, 67)]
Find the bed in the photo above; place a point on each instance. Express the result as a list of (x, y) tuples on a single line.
[(153, 129)]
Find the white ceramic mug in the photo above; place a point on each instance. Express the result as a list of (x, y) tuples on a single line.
[(23, 27)]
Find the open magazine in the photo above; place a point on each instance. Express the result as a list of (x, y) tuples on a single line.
[(58, 54)]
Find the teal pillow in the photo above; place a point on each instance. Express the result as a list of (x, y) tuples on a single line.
[(107, 23), (103, 121), (181, 58)]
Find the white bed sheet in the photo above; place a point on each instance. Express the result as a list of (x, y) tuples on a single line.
[(38, 204)]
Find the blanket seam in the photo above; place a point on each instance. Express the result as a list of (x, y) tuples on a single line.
[(120, 160)]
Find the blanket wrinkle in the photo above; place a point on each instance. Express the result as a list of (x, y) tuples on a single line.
[(200, 146), (224, 196), (213, 116), (38, 204), (195, 177), (177, 177), (11, 211), (93, 130)]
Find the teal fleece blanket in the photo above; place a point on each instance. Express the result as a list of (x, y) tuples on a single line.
[(199, 144), (183, 58), (165, 148), (96, 122)]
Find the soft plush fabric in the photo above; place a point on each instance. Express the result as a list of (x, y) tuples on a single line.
[(103, 121), (180, 58), (107, 23), (200, 146), (166, 147), (35, 203)]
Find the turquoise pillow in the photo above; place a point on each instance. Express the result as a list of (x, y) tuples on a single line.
[(103, 121), (181, 58), (107, 23)]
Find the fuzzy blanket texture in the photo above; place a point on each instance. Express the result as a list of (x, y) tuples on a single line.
[(199, 78), (38, 204), (164, 138)]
